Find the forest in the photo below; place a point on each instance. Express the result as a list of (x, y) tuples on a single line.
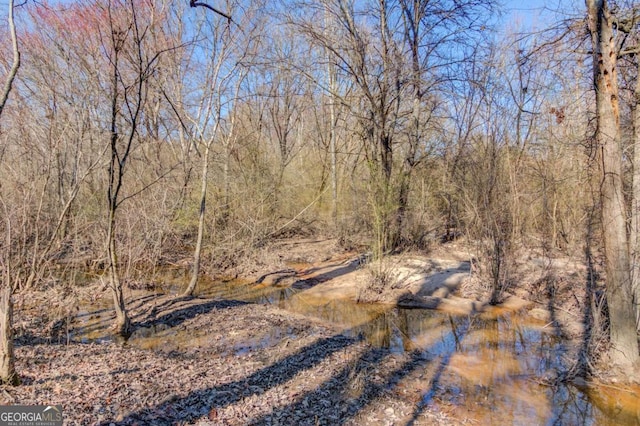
[(195, 196)]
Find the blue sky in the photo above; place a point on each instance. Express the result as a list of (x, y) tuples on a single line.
[(523, 15)]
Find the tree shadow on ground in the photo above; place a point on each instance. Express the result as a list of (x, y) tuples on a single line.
[(90, 322), (428, 396), (338, 399), (199, 403), (335, 395), (277, 277), (182, 309), (337, 391), (326, 273), (435, 286), (441, 280), (370, 387), (146, 312)]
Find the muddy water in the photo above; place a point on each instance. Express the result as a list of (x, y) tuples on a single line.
[(488, 368), (492, 366)]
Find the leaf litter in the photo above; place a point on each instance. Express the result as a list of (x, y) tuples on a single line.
[(216, 362)]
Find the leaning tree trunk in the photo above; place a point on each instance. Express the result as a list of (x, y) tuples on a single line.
[(203, 204), (16, 61), (624, 342)]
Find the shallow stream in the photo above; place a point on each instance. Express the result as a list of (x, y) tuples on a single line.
[(491, 366)]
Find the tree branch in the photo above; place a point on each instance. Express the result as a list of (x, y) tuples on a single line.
[(194, 3), (16, 60)]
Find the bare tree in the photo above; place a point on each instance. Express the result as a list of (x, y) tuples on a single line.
[(429, 32), (635, 199), (223, 75), (7, 363), (131, 66), (8, 84), (397, 54), (624, 340), (628, 23), (285, 111), (363, 47)]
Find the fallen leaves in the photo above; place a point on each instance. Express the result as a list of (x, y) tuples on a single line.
[(243, 364)]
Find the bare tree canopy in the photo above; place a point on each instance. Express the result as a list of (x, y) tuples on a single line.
[(346, 160)]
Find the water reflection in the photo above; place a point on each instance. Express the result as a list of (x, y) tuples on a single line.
[(491, 365), (494, 364)]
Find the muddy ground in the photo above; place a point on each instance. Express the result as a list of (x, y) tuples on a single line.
[(310, 375), (245, 363)]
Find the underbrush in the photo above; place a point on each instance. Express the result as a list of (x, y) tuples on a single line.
[(379, 280)]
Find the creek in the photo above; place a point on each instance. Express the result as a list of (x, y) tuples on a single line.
[(491, 366)]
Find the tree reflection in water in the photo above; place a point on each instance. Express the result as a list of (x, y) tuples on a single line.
[(489, 365)]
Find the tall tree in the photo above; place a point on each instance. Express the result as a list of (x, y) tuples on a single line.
[(439, 38), (363, 46), (397, 54), (132, 62), (635, 197), (7, 363), (624, 341), (332, 87), (628, 23), (227, 51)]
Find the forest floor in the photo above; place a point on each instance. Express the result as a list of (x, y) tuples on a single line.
[(312, 375), (244, 363)]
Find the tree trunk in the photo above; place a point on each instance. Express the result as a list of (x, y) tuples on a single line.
[(414, 12), (634, 243), (122, 324), (333, 87), (401, 208), (116, 175), (16, 61), (408, 165), (7, 360), (229, 144), (7, 363), (624, 342), (225, 214), (332, 144), (203, 204)]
